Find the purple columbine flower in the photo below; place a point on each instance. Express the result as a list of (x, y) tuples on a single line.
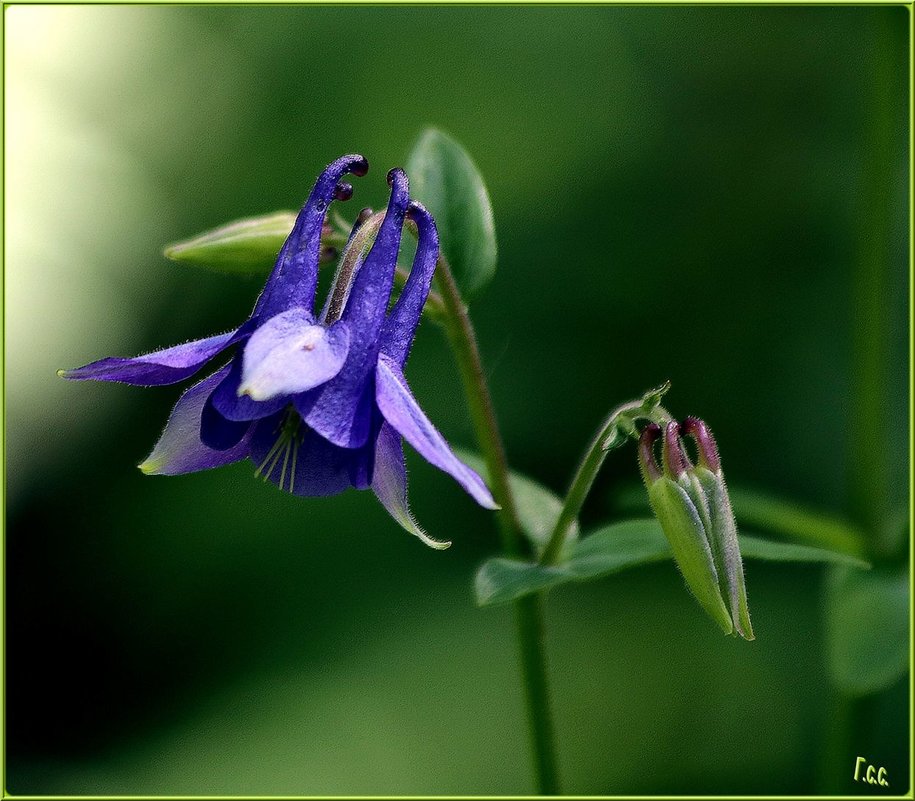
[(319, 404)]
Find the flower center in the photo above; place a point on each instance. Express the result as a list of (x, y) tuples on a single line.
[(289, 437)]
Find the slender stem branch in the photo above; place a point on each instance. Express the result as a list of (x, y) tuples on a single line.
[(587, 471), (529, 610)]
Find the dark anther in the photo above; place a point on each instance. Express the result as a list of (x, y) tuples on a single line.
[(328, 253)]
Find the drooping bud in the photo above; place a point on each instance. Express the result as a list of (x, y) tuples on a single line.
[(720, 524), (244, 246), (692, 506)]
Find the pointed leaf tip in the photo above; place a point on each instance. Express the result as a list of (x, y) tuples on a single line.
[(446, 181)]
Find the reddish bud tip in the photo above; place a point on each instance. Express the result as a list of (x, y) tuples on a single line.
[(705, 442), (650, 470), (675, 460)]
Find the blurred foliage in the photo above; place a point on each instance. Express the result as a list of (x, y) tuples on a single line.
[(680, 193), (867, 629)]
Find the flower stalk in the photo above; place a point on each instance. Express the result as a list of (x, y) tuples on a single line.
[(529, 617)]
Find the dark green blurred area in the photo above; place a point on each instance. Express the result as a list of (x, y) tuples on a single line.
[(680, 193)]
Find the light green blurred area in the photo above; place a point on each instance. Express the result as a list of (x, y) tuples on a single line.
[(676, 194)]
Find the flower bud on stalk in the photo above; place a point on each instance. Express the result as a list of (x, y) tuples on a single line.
[(692, 505)]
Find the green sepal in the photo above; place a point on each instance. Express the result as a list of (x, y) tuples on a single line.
[(682, 524), (722, 533)]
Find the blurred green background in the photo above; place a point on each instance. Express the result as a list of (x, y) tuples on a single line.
[(711, 195)]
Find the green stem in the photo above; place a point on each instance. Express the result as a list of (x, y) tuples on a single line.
[(832, 768), (587, 471), (529, 610), (869, 474), (482, 413), (529, 625)]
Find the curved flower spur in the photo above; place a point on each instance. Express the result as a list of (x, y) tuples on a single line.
[(318, 404)]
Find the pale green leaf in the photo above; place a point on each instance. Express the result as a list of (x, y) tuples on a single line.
[(500, 580), (777, 551)]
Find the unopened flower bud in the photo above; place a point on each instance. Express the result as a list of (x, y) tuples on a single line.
[(244, 246), (720, 524), (691, 503)]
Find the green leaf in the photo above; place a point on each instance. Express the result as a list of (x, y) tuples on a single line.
[(500, 580), (767, 513), (607, 551), (762, 511), (242, 247), (775, 551), (617, 547), (447, 182), (867, 629), (538, 507)]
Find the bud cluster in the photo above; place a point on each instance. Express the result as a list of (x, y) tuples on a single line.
[(691, 503)]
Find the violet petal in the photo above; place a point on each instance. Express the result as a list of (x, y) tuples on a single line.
[(401, 410), (166, 366), (400, 326), (304, 465), (179, 449), (290, 353), (337, 411), (226, 401), (295, 274), (389, 483)]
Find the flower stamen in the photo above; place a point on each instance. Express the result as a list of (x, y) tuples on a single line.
[(289, 438)]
